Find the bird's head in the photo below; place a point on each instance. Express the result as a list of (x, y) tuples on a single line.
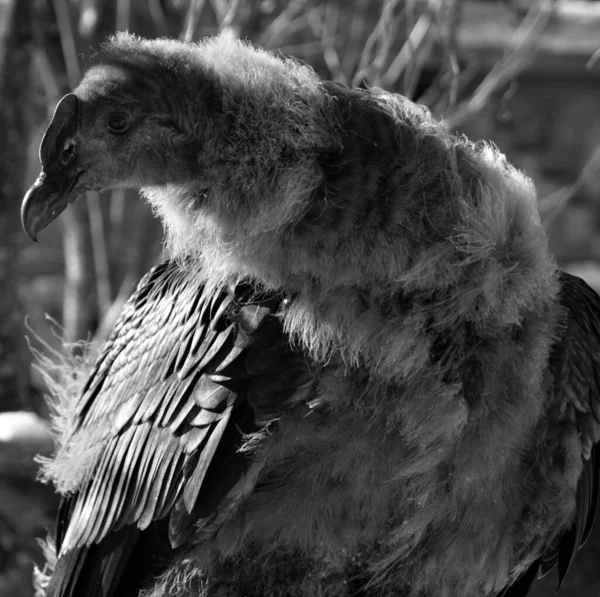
[(123, 126), (224, 140)]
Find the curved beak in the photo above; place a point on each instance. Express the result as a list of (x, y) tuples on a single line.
[(55, 187), (43, 203)]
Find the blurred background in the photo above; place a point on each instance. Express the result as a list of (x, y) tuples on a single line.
[(522, 73)]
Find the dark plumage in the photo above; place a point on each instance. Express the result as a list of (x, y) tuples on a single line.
[(360, 373)]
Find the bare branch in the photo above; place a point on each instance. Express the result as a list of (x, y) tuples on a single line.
[(282, 23), (554, 204), (67, 42), (191, 19), (381, 35), (407, 54), (77, 306), (110, 315), (518, 58), (46, 74), (99, 252), (230, 16), (305, 50), (324, 28), (453, 15), (355, 35), (328, 40)]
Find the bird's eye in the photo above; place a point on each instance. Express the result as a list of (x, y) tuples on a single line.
[(68, 151), (118, 122)]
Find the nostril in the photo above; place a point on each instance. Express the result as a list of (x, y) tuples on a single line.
[(68, 151)]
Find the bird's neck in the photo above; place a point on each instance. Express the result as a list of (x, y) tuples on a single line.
[(353, 232), (374, 305)]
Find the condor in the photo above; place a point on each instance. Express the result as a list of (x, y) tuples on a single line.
[(359, 373)]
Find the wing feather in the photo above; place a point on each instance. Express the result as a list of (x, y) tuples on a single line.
[(170, 451), (522, 586), (575, 363), (192, 487), (591, 512), (161, 401)]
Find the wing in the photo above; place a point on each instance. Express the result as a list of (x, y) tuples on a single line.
[(575, 365), (183, 376)]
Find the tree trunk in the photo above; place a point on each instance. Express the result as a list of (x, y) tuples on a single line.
[(15, 54)]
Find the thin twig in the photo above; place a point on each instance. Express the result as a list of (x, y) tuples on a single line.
[(554, 204), (281, 23), (220, 8), (230, 16), (116, 216), (99, 252), (453, 17), (356, 31), (46, 74), (381, 35), (324, 29), (67, 42), (299, 25), (517, 59), (442, 93), (191, 19), (385, 47), (411, 46), (436, 96), (304, 50), (110, 315), (328, 40)]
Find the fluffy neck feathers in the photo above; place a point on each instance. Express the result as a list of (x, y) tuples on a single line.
[(348, 199)]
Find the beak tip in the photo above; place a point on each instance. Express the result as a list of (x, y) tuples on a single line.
[(30, 233), (26, 220)]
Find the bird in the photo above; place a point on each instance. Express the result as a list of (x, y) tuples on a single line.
[(358, 371)]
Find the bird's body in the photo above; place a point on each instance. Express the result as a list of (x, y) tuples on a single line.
[(361, 373)]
